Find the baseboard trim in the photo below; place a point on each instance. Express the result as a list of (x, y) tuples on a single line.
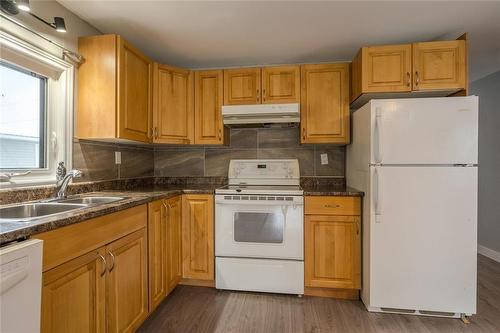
[(487, 252)]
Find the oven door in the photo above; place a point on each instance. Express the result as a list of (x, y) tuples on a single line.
[(259, 226)]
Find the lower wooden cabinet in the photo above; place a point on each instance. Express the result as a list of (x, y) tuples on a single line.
[(95, 274), (174, 242), (198, 237), (157, 252), (126, 283), (74, 295), (332, 246)]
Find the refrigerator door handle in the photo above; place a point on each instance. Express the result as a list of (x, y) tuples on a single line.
[(377, 133), (376, 196)]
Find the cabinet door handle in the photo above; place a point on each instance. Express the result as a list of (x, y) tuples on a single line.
[(417, 78), (258, 96), (156, 132), (166, 208), (220, 134), (357, 228), (113, 262), (408, 79), (103, 264), (303, 133)]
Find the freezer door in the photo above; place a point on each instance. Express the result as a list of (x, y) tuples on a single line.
[(423, 230), (425, 131)]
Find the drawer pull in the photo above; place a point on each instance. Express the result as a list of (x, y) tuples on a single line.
[(332, 206)]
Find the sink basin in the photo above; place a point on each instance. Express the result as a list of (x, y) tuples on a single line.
[(92, 200), (29, 211)]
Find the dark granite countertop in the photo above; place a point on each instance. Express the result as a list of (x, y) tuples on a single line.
[(10, 231)]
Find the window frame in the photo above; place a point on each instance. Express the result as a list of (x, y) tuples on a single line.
[(58, 105)]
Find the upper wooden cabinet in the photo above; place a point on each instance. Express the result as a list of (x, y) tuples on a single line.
[(198, 236), (281, 84), (114, 90), (242, 86), (208, 98), (439, 65), (173, 105), (433, 68), (324, 108)]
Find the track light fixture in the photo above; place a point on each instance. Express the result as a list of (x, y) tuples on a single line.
[(12, 7)]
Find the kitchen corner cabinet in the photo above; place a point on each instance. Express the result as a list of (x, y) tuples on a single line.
[(208, 99), (324, 102), (332, 249), (281, 84), (242, 86), (433, 68), (95, 274), (198, 237), (172, 105), (114, 90)]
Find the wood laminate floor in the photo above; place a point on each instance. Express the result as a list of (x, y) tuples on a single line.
[(198, 309)]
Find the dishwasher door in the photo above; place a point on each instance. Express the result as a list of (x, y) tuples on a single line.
[(20, 286)]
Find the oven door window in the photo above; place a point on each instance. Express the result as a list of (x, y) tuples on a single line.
[(258, 227)]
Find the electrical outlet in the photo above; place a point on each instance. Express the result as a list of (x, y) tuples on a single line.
[(324, 159), (118, 157)]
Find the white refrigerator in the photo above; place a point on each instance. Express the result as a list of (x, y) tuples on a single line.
[(416, 161)]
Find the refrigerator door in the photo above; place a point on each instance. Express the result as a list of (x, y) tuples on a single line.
[(425, 131), (423, 231)]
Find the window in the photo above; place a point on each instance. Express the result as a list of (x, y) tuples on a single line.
[(22, 118), (36, 111)]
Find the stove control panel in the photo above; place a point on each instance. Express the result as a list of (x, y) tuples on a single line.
[(264, 172)]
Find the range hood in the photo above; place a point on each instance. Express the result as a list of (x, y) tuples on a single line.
[(258, 114)]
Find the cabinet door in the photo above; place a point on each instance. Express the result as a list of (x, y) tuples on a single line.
[(198, 237), (325, 103), (157, 252), (134, 95), (73, 295), (281, 84), (439, 65), (174, 250), (127, 283), (386, 68), (208, 95), (332, 251), (173, 105), (242, 86)]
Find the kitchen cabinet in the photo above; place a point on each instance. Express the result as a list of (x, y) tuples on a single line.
[(439, 65), (332, 237), (242, 86), (114, 90), (174, 243), (324, 101), (281, 84), (173, 105), (157, 252), (73, 295), (126, 283), (95, 274), (208, 99), (389, 71), (198, 237)]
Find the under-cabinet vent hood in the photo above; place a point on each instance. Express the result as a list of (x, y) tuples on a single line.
[(259, 114)]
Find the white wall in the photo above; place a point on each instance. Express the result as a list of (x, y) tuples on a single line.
[(47, 9), (488, 90)]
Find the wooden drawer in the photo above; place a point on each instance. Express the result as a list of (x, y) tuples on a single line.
[(330, 205), (66, 243)]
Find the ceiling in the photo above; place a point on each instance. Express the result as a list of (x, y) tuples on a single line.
[(206, 34)]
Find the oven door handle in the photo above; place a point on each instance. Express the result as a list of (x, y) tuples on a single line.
[(258, 203)]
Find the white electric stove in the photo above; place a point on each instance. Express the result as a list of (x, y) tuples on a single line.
[(259, 228)]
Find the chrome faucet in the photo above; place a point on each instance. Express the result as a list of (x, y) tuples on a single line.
[(62, 182)]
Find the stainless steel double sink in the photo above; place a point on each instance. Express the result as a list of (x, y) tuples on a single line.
[(25, 212)]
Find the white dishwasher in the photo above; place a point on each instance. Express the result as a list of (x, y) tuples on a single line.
[(20, 286)]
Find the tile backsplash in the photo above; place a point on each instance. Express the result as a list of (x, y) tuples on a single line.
[(210, 161), (97, 159)]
